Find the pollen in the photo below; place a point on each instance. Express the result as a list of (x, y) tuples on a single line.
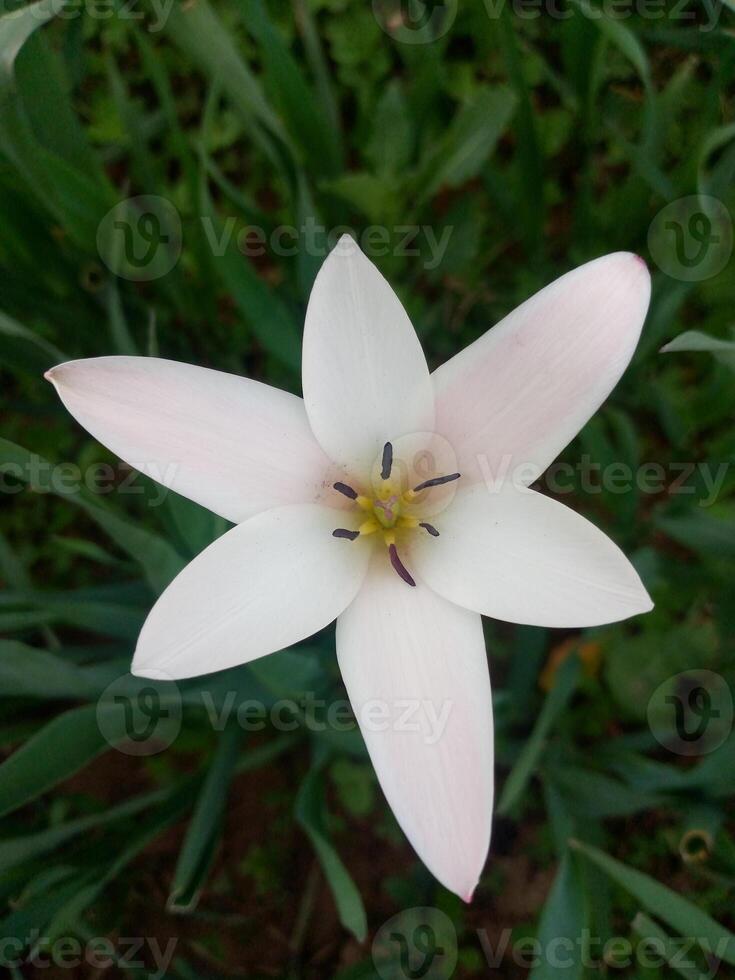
[(387, 508)]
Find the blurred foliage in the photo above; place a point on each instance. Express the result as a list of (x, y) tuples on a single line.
[(495, 150)]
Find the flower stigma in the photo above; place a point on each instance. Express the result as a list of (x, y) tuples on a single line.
[(388, 510)]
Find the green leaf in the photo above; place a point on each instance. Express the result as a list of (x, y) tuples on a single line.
[(531, 193), (40, 78), (261, 309), (17, 850), (678, 912), (27, 672), (696, 340), (160, 562), (54, 753), (11, 328), (310, 815), (15, 29), (468, 142), (562, 921), (75, 198), (53, 912), (703, 533), (620, 35), (309, 127), (196, 527), (202, 835), (597, 795), (199, 32), (671, 950), (567, 678), (289, 672)]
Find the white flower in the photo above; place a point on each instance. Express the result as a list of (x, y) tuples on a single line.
[(408, 589)]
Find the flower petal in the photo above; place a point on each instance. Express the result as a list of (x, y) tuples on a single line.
[(364, 373), (517, 555), (233, 445), (262, 586), (519, 394), (416, 672)]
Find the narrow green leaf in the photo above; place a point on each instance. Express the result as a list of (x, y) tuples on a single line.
[(160, 562), (311, 130), (27, 672), (696, 340), (202, 835), (17, 850), (54, 753), (562, 921), (703, 533), (620, 35), (468, 143), (310, 815), (320, 69), (566, 682), (11, 328), (15, 29), (199, 32), (678, 912), (75, 200), (265, 314), (598, 795), (531, 194), (669, 948)]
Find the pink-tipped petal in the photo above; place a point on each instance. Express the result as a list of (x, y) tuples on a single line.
[(365, 377), (265, 584), (518, 395), (416, 673), (517, 555), (233, 445)]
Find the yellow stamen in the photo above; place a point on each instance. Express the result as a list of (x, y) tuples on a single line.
[(389, 537), (369, 527), (407, 522), (364, 503), (408, 496)]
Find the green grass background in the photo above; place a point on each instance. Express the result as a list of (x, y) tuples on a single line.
[(534, 143)]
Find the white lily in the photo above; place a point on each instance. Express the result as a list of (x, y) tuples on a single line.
[(379, 501)]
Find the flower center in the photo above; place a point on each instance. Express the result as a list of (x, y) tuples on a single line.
[(388, 510)]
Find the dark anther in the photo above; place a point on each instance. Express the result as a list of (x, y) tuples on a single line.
[(430, 528), (399, 566), (347, 491), (437, 481), (387, 461), (342, 532)]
